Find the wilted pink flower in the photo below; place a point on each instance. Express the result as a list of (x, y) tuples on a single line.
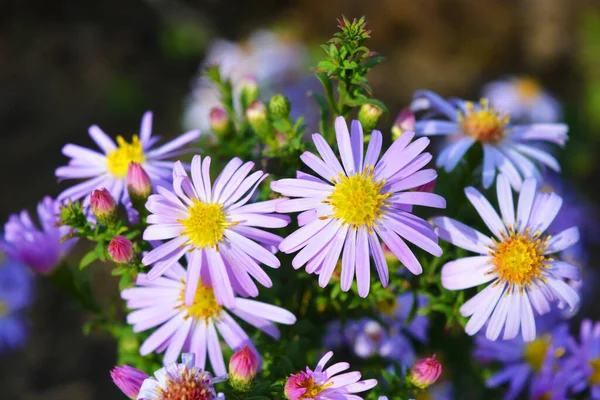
[(103, 205), (120, 250), (139, 184), (128, 379), (243, 367), (405, 121), (425, 372)]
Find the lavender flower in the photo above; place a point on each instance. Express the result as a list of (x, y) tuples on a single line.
[(507, 148), (322, 384), (214, 226), (181, 381), (128, 379), (518, 262), (524, 99), (160, 303), (40, 249), (353, 206), (15, 296), (584, 365), (109, 168)]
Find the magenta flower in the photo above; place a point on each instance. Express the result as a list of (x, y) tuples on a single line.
[(128, 379), (323, 384), (517, 263), (39, 248), (214, 226), (109, 168), (358, 202), (181, 381), (120, 250), (103, 205), (139, 184), (425, 372), (243, 366), (195, 328)]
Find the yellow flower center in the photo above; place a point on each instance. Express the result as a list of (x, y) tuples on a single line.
[(189, 385), (205, 225), (519, 258), (205, 304), (535, 352), (388, 306), (357, 200), (485, 125), (595, 378), (312, 389), (3, 309), (528, 88), (117, 161), (423, 395)]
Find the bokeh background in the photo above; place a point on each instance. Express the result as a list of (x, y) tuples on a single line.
[(65, 65)]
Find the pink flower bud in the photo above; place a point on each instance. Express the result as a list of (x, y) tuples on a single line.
[(128, 379), (120, 250), (220, 123), (425, 372), (428, 187), (243, 367), (139, 184), (103, 206), (405, 121)]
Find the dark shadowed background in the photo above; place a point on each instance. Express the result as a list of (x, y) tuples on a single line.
[(65, 65)]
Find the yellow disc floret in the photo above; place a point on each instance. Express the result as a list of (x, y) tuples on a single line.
[(528, 88), (519, 258), (3, 309), (595, 377), (117, 161), (312, 389), (485, 124), (205, 225), (357, 200), (205, 304), (535, 352)]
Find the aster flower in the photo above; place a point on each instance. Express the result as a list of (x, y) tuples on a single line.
[(214, 226), (181, 381), (128, 379), (109, 168), (195, 328), (523, 362), (15, 296), (356, 204), (398, 312), (508, 148), (523, 98), (324, 384), (39, 248), (517, 263), (584, 365)]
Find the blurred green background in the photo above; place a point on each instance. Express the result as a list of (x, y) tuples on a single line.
[(65, 65)]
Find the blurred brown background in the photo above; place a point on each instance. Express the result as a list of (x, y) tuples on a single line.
[(67, 64)]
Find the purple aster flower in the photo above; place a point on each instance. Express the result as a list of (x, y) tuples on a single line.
[(550, 383), (15, 296), (397, 314), (507, 148), (195, 328), (517, 262), (523, 362), (109, 168), (215, 228), (324, 384), (524, 99), (356, 203), (128, 379), (38, 248), (334, 337), (181, 381), (584, 365)]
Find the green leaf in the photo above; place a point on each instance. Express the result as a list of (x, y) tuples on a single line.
[(87, 259)]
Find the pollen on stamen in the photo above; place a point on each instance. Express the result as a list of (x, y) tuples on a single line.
[(485, 124)]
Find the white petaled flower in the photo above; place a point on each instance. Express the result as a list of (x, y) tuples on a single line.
[(517, 263), (195, 328), (523, 98), (108, 169), (214, 226), (181, 381), (511, 149)]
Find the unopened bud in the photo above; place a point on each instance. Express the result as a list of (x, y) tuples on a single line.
[(249, 91), (128, 379), (405, 121), (369, 115), (120, 250), (425, 372), (220, 123), (243, 367), (139, 185), (279, 106), (103, 206), (258, 119), (428, 187)]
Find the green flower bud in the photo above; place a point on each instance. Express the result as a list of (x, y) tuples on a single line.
[(369, 115), (279, 106)]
